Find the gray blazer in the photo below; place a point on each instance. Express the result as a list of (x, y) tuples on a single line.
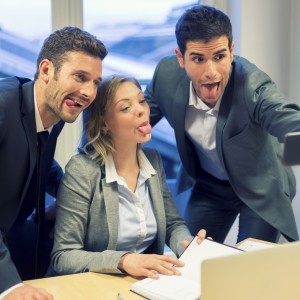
[(86, 229), (253, 118)]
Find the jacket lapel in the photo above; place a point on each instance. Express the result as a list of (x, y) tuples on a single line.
[(181, 100), (223, 116), (111, 200), (185, 147), (158, 208), (28, 119)]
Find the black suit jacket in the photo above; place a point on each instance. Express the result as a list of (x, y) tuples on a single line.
[(18, 149)]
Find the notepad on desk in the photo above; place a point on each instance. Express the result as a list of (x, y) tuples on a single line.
[(187, 285)]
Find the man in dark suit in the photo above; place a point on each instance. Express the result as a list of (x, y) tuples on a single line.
[(229, 119), (69, 69)]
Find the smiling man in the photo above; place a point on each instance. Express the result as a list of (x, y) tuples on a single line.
[(69, 69), (229, 119)]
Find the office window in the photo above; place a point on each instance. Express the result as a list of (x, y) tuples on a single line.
[(138, 34), (23, 26)]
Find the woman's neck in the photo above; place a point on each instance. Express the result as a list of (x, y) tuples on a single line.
[(127, 166)]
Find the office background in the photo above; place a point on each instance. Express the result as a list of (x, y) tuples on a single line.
[(265, 32)]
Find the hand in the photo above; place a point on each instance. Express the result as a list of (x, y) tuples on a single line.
[(29, 293), (149, 265), (201, 236)]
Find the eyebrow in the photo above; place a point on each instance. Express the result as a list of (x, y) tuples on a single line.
[(215, 53), (87, 74), (127, 99)]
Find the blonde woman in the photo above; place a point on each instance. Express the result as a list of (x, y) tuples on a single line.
[(114, 210)]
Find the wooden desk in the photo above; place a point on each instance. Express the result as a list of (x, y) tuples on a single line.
[(257, 241), (87, 286), (91, 286)]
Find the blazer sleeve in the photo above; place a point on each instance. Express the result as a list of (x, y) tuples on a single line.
[(9, 275), (155, 112), (70, 253)]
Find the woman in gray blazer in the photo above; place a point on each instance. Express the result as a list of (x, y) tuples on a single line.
[(114, 210)]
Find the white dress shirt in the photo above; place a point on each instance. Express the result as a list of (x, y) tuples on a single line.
[(200, 125), (38, 119)]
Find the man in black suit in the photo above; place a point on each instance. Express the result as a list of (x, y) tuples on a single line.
[(69, 69)]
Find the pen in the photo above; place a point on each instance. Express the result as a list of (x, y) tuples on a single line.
[(120, 297)]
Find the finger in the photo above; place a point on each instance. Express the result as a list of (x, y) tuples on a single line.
[(170, 259), (201, 235), (151, 274), (185, 243), (166, 268), (45, 294)]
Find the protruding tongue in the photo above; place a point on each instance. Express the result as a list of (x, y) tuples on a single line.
[(210, 91), (145, 129), (70, 102)]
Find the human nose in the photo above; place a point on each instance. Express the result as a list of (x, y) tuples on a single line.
[(210, 70), (141, 110), (89, 90)]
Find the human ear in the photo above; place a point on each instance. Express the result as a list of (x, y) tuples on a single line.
[(179, 58), (104, 127), (231, 51), (45, 70)]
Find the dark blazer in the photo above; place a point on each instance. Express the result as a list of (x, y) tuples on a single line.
[(18, 149), (253, 118)]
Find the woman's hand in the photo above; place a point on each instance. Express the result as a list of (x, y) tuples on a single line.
[(149, 265), (201, 236)]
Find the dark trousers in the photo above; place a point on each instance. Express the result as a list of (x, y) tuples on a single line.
[(214, 206), (22, 242)]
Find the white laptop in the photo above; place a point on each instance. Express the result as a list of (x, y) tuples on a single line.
[(266, 274)]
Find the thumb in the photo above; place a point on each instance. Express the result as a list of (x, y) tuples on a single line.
[(185, 243)]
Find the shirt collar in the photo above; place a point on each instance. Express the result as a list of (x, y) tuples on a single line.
[(146, 169), (38, 120)]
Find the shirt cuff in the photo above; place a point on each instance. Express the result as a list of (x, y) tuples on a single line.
[(2, 295)]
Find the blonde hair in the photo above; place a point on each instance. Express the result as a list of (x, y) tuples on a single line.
[(95, 142)]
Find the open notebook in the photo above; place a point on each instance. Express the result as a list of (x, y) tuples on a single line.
[(267, 274), (186, 286)]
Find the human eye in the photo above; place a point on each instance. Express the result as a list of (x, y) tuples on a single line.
[(143, 101), (97, 82), (124, 108), (80, 77), (219, 57), (197, 59)]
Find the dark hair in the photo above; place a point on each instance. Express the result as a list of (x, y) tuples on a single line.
[(69, 39), (96, 143), (202, 23)]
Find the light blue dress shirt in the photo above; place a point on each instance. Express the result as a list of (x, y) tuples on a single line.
[(137, 226)]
